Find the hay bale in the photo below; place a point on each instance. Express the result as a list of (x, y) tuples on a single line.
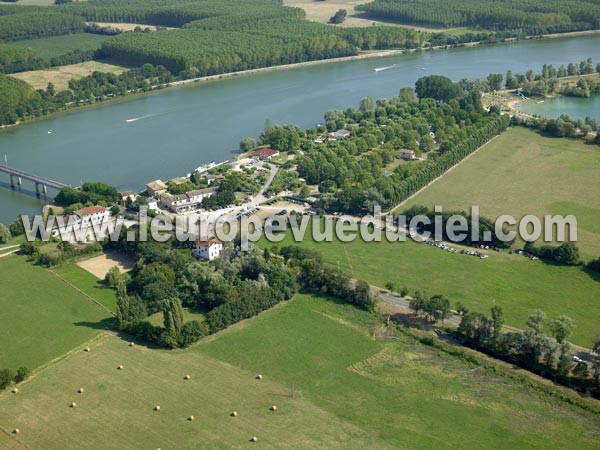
[(187, 377), (80, 391), (120, 368), (273, 408), (259, 377), (157, 408), (132, 344), (15, 390), (87, 349), (253, 439), (16, 431), (73, 405), (234, 414), (191, 418)]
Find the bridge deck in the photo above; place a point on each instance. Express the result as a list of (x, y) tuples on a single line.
[(31, 177)]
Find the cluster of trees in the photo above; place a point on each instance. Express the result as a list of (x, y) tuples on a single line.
[(434, 308), (166, 278), (90, 193), (8, 377), (350, 172), (485, 225), (532, 348), (338, 17), (314, 277), (566, 253), (564, 126), (530, 16), (547, 81), (63, 252), (22, 102)]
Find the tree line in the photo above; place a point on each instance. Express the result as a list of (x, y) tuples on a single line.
[(530, 16), (21, 102)]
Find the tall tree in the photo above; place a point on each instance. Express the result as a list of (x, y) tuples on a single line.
[(562, 328), (173, 317)]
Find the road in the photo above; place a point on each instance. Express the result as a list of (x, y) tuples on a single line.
[(583, 352)]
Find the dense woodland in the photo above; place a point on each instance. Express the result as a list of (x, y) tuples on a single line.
[(527, 16)]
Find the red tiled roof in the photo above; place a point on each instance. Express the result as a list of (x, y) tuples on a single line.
[(209, 242), (90, 210), (265, 153)]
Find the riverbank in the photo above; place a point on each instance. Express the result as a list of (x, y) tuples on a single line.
[(370, 54)]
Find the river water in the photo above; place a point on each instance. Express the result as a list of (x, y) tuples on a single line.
[(179, 129), (576, 108)]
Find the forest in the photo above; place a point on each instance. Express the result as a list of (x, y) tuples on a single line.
[(526, 16)]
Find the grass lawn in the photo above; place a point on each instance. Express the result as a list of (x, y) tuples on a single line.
[(409, 395), (89, 284), (520, 173), (188, 315), (49, 47), (42, 317), (61, 75), (513, 281), (351, 391)]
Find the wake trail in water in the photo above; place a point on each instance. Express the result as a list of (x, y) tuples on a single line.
[(135, 119), (379, 69)]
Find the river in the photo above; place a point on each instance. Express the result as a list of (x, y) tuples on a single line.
[(180, 128)]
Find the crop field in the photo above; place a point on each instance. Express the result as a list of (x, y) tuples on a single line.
[(42, 317), (349, 391), (520, 173), (50, 47), (514, 282), (61, 75)]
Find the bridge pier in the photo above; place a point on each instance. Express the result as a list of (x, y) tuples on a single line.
[(12, 181), (37, 189)]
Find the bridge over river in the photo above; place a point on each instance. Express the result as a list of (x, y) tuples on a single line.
[(41, 184)]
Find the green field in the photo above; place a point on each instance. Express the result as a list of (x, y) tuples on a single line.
[(42, 317), (350, 391), (516, 283), (89, 284), (521, 172), (51, 47)]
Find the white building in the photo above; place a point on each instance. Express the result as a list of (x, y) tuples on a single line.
[(81, 219), (208, 250), (189, 201)]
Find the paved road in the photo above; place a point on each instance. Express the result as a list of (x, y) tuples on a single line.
[(583, 352)]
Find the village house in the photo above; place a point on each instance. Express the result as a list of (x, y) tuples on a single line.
[(156, 188), (339, 134), (81, 219), (92, 215), (265, 154), (189, 201), (208, 250), (408, 155), (128, 196)]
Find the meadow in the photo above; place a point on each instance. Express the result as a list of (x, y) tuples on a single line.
[(42, 317), (514, 282), (89, 284), (521, 172), (349, 391), (61, 75)]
